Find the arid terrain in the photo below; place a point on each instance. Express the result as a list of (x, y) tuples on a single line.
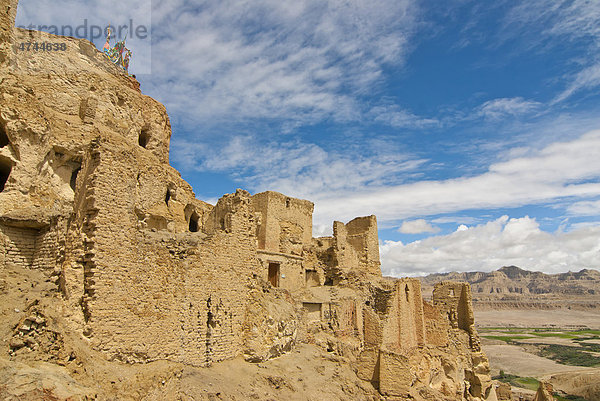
[(536, 326)]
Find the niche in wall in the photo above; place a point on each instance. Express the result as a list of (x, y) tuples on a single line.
[(144, 138), (5, 169)]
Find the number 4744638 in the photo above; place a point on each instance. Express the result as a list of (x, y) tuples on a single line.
[(43, 46)]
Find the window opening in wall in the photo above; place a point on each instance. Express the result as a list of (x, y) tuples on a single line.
[(313, 310), (222, 223), (406, 292), (312, 278), (274, 274), (288, 202), (5, 169), (3, 137), (144, 138), (193, 223), (168, 197), (451, 292), (73, 181)]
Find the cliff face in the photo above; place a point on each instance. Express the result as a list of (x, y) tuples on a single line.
[(109, 263), (512, 286)]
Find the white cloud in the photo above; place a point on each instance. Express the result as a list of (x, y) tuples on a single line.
[(372, 179), (499, 108), (455, 219), (302, 60), (296, 168), (462, 227), (322, 230), (489, 246), (417, 227), (586, 78), (584, 208), (398, 118), (557, 171)]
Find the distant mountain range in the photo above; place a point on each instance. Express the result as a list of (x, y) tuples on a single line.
[(511, 283)]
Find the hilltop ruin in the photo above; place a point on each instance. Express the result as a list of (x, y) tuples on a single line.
[(143, 271)]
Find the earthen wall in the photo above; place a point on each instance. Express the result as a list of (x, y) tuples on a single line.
[(286, 223), (356, 245), (155, 294)]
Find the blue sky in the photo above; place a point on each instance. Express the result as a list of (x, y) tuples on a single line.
[(469, 128)]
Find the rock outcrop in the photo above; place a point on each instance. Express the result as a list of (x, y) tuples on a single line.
[(513, 287), (544, 392), (136, 271)]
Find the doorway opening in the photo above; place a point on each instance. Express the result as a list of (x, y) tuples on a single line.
[(193, 223), (274, 274)]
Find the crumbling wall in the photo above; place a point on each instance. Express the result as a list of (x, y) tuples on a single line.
[(544, 392), (29, 244), (455, 301), (291, 272), (320, 259), (356, 245), (285, 224), (49, 246), (410, 344), (50, 110), (151, 294), (17, 244), (411, 324), (436, 325), (271, 323), (165, 202), (284, 236)]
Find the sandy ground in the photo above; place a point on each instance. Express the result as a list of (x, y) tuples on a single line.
[(538, 318), (307, 373), (514, 360), (585, 384)]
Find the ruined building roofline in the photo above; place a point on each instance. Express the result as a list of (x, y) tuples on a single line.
[(279, 195)]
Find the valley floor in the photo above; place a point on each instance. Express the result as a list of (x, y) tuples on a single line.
[(558, 345)]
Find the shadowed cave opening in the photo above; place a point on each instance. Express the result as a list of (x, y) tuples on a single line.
[(5, 169), (73, 181), (144, 138), (193, 223), (3, 137), (168, 197)]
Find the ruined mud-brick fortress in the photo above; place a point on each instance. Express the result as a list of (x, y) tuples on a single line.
[(146, 271)]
